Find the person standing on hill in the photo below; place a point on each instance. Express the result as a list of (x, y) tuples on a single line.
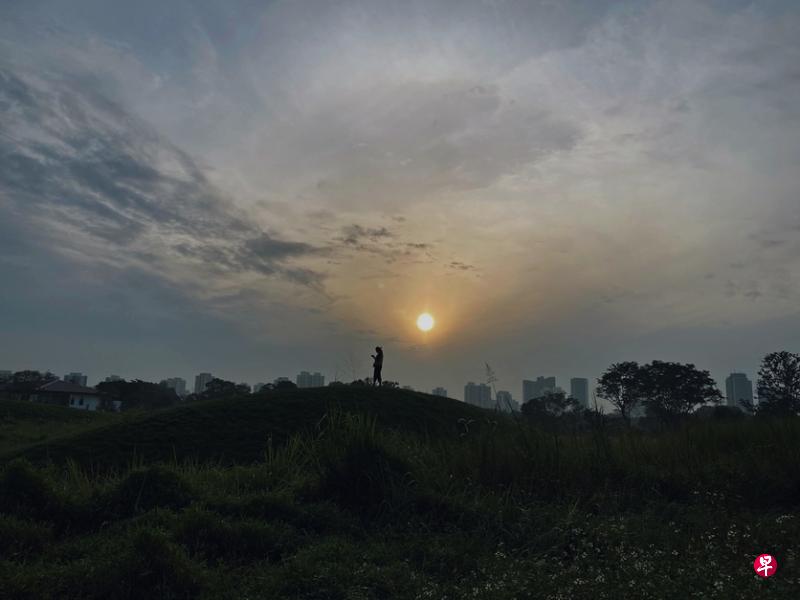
[(377, 365)]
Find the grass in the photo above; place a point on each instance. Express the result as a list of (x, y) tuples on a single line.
[(353, 503), (236, 431), (23, 424)]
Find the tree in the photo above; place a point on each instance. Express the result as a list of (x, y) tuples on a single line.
[(23, 383), (621, 386), (138, 394), (390, 384), (285, 384), (779, 384), (221, 388), (671, 390), (551, 404)]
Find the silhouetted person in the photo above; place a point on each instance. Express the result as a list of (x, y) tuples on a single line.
[(377, 365)]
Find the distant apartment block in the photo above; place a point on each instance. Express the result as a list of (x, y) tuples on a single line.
[(478, 394), (538, 388), (178, 384), (76, 378), (579, 389), (309, 380), (257, 387), (439, 391), (201, 381), (738, 387), (506, 402), (5, 375)]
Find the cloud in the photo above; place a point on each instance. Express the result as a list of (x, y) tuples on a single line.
[(101, 184)]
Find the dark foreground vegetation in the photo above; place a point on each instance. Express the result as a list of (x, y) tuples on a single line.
[(345, 493)]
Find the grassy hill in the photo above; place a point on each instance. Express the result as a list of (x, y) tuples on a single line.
[(236, 431), (27, 423), (389, 496)]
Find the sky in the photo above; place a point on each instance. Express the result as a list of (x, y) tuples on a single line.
[(258, 188)]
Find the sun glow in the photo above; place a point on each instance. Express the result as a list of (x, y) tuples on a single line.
[(425, 322)]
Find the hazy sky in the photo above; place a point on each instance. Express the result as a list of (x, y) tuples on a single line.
[(256, 188)]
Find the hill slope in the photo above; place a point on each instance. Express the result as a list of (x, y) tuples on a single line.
[(236, 431), (26, 423)]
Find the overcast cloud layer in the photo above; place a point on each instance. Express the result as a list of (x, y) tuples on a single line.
[(259, 188)]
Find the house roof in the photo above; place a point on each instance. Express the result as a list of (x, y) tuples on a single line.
[(66, 387)]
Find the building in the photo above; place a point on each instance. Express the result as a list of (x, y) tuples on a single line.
[(538, 388), (579, 389), (5, 375), (439, 391), (66, 393), (738, 387), (309, 380), (506, 402), (257, 387), (201, 381), (112, 379), (478, 394), (176, 383), (76, 378)]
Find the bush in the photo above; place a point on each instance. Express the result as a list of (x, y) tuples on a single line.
[(142, 490), (353, 467), (21, 538), (213, 537), (26, 492)]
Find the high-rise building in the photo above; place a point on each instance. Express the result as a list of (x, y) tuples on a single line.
[(76, 378), (579, 389), (506, 402), (178, 384), (112, 378), (304, 379), (439, 391), (538, 388), (738, 387), (478, 394), (201, 381), (5, 375), (309, 380)]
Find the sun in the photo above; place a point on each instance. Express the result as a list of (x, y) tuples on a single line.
[(425, 322)]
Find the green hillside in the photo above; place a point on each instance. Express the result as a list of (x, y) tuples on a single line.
[(236, 431), (25, 423), (389, 496)]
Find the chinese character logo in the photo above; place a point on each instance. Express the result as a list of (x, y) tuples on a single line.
[(765, 565)]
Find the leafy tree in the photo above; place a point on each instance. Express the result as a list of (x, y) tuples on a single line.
[(551, 404), (285, 384), (671, 390), (621, 386), (138, 394), (23, 383), (779, 384), (221, 388)]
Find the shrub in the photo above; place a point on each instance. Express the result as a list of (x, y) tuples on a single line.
[(144, 489), (214, 537)]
